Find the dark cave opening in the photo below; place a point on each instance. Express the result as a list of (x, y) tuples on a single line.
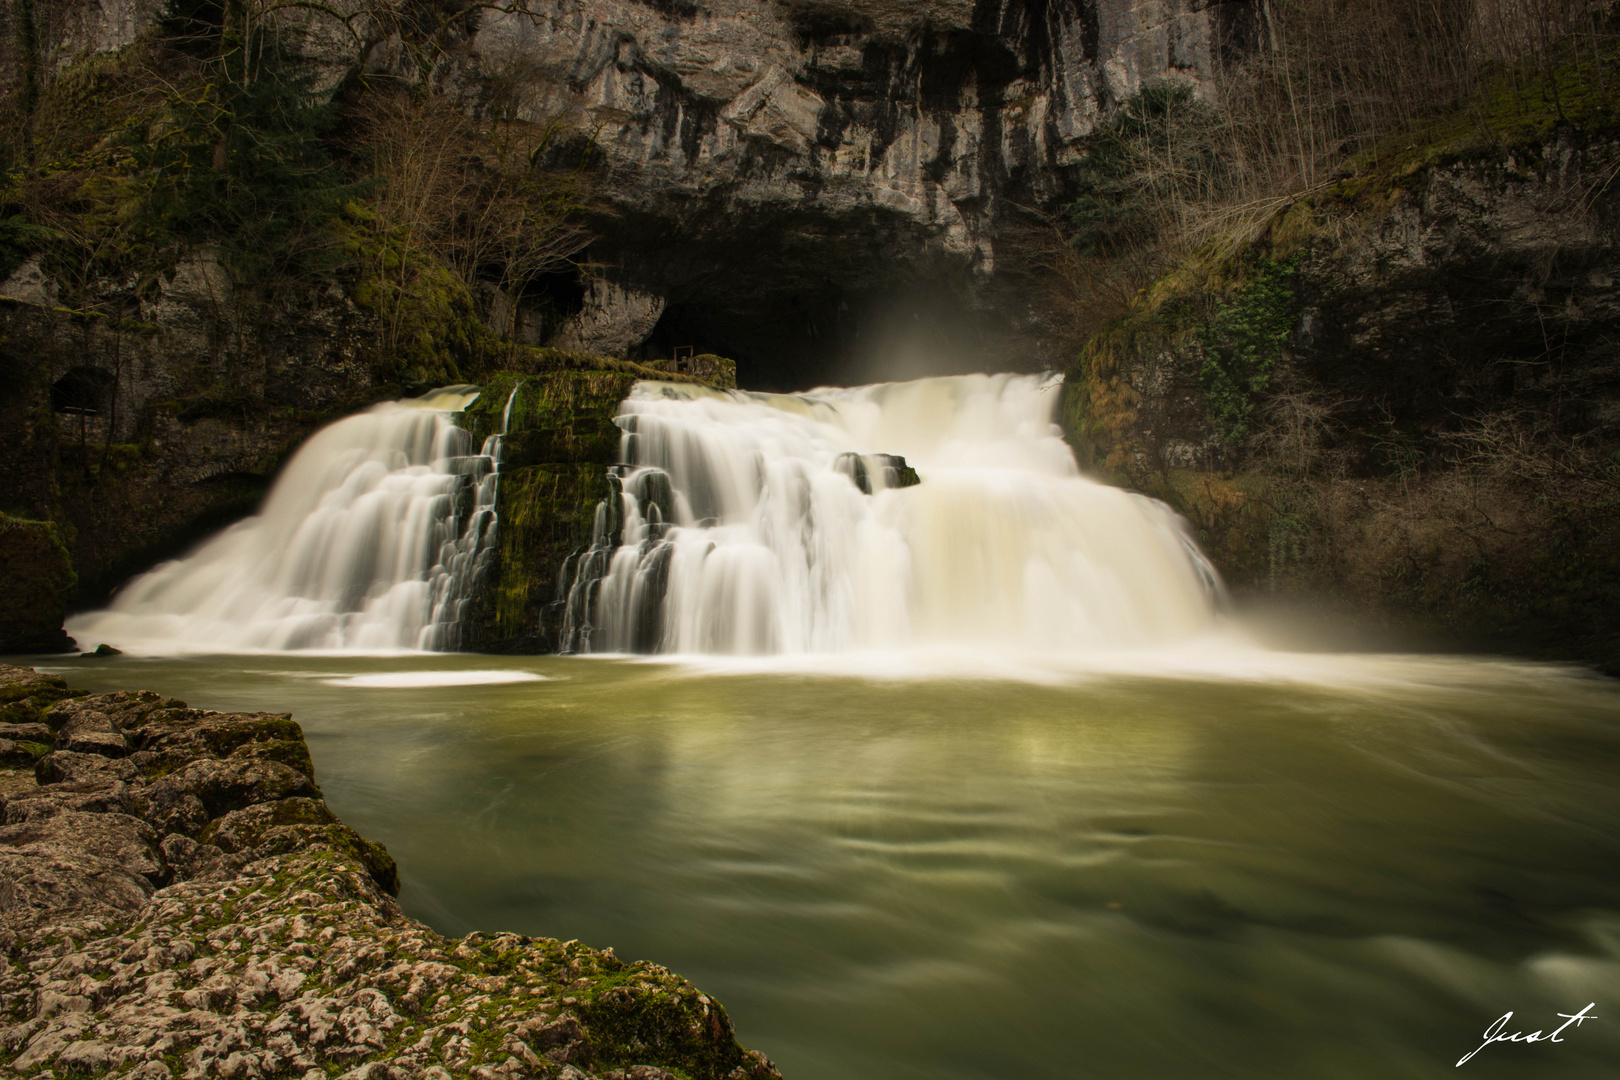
[(793, 342), (83, 391)]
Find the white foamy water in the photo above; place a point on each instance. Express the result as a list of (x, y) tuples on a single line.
[(416, 680), (370, 540), (740, 527)]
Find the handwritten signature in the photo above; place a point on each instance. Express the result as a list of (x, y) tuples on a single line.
[(1494, 1033)]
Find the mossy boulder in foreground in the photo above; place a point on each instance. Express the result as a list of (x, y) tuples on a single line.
[(176, 900)]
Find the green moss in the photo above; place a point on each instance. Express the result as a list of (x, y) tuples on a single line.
[(562, 417), (546, 516), (28, 701), (1242, 339), (430, 327), (1101, 401), (717, 371), (1518, 111), (560, 438)]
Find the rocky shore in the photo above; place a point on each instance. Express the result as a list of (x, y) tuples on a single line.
[(176, 900)]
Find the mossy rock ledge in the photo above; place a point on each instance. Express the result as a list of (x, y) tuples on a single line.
[(560, 438), (176, 900)]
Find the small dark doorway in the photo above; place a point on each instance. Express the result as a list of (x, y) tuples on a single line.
[(83, 391)]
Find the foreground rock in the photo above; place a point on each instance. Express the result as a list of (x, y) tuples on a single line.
[(177, 901)]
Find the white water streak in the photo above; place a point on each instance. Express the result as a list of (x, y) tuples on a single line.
[(767, 548), (369, 541)]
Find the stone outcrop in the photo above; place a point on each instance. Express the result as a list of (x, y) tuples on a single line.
[(554, 462), (1437, 440), (177, 901), (141, 434), (778, 171), (36, 575), (613, 321)]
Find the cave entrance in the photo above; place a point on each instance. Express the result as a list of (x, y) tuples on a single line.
[(784, 344), (83, 391)]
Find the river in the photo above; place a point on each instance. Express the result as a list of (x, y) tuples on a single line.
[(1234, 864)]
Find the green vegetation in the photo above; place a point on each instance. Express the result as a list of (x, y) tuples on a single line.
[(1156, 151), (1242, 341), (560, 438), (240, 162), (211, 134)]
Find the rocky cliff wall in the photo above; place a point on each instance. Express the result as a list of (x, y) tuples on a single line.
[(777, 177), (1404, 394), (141, 434), (176, 900), (775, 180)]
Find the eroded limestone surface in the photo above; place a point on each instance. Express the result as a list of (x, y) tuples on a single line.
[(177, 901)]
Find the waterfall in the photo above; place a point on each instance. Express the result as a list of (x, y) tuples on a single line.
[(757, 523), (372, 538)]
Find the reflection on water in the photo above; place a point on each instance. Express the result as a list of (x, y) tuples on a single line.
[(1347, 873)]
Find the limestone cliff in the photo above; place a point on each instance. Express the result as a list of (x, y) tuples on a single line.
[(776, 176)]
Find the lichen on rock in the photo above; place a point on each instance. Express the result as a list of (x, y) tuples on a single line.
[(177, 901)]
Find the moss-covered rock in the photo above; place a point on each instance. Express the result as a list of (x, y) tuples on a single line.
[(36, 576), (272, 924), (560, 437)]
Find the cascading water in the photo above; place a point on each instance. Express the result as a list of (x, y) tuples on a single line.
[(371, 539), (752, 523)]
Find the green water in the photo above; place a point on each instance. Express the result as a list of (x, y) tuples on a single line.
[(1123, 877)]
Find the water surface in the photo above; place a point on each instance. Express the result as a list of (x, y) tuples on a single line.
[(1347, 871)]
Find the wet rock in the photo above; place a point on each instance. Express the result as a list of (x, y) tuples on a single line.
[(15, 752), (33, 733), (72, 767), (195, 910), (26, 695), (876, 472)]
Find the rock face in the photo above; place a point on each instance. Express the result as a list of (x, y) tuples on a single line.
[(781, 173), (776, 179), (560, 440), (1482, 284), (177, 901), (1438, 438), (36, 575), (143, 433)]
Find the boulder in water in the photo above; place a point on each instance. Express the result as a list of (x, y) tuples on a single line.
[(889, 470)]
